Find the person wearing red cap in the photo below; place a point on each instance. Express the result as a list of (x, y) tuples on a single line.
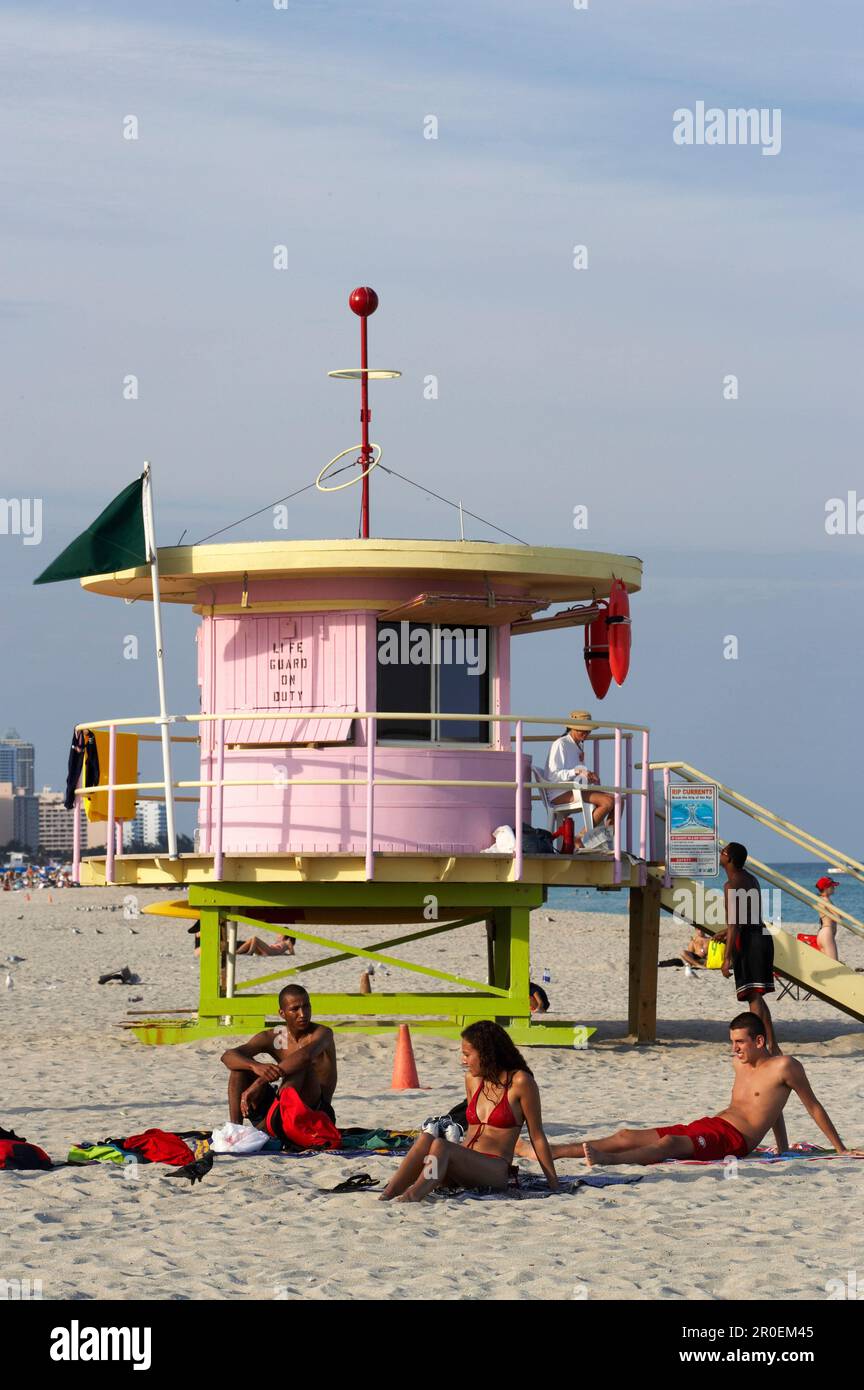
[(827, 936)]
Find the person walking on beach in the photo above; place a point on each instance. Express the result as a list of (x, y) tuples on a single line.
[(827, 935), (301, 1054), (761, 1088), (502, 1096), (566, 764), (749, 944)]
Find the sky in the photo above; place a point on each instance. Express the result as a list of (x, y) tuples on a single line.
[(605, 386)]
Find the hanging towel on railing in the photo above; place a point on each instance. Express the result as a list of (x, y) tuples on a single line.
[(82, 752)]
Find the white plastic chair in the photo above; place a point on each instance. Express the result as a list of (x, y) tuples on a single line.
[(557, 812)]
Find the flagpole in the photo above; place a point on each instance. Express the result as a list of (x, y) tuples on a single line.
[(153, 555)]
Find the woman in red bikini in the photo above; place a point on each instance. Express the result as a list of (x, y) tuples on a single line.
[(502, 1097)]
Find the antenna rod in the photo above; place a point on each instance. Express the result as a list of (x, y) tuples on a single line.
[(364, 301), (365, 451)]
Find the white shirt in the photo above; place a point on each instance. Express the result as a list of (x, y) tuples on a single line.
[(566, 761)]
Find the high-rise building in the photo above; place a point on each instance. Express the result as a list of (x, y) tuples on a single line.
[(25, 820), (55, 823), (7, 813), (150, 826), (17, 762)]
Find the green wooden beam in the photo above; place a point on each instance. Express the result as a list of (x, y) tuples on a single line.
[(348, 953), (524, 1032), (475, 1005), (367, 895), (210, 959), (376, 956)]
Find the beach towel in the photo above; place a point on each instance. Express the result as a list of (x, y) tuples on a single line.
[(95, 1153), (290, 1120), (17, 1153), (381, 1141), (157, 1146), (762, 1155), (533, 1188)]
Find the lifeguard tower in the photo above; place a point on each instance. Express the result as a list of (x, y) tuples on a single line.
[(358, 752)]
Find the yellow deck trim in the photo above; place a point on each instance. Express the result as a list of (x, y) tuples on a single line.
[(562, 574), (151, 870)]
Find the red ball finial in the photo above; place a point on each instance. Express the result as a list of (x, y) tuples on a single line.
[(363, 301)]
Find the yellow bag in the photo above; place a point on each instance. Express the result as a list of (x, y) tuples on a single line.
[(716, 955)]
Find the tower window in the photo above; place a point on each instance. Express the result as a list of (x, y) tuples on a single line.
[(433, 670)]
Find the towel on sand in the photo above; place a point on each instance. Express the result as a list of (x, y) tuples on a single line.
[(532, 1187)]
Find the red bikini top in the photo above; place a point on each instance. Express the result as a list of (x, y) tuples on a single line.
[(502, 1116)]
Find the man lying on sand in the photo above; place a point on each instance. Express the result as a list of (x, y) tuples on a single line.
[(761, 1088), (695, 952), (303, 1055)]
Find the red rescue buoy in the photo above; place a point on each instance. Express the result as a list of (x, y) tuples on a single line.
[(597, 655), (618, 623)]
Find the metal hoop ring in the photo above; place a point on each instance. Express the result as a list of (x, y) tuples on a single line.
[(358, 477), (371, 373)]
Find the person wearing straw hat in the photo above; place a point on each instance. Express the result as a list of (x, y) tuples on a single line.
[(827, 936), (566, 764)]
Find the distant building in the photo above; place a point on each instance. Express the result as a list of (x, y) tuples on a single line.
[(25, 823), (150, 826), (55, 823), (7, 813), (17, 762), (97, 833)]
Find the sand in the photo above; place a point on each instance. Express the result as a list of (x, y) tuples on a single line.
[(260, 1228)]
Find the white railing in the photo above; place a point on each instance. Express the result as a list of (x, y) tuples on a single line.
[(622, 791)]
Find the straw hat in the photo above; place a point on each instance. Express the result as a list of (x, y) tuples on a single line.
[(578, 718)]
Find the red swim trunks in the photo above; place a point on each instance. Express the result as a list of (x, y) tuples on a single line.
[(712, 1138)]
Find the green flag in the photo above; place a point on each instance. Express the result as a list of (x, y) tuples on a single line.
[(115, 541)]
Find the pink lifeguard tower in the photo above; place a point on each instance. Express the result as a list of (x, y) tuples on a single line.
[(358, 751)]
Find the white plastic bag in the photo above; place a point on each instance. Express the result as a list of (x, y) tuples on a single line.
[(238, 1139), (505, 841)]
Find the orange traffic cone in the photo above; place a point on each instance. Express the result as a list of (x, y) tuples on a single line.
[(405, 1076)]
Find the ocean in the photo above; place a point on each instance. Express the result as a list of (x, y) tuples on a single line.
[(849, 895)]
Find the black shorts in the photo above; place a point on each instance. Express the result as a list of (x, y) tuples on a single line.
[(754, 961)]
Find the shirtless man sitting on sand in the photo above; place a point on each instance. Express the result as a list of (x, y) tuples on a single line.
[(302, 1053), (762, 1086)]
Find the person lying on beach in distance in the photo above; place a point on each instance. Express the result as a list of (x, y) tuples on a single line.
[(502, 1097), (538, 999), (302, 1053), (254, 946), (696, 950), (762, 1086)]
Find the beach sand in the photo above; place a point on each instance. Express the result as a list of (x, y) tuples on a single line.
[(260, 1228)]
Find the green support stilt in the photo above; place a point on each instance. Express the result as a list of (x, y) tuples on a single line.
[(436, 1012)]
